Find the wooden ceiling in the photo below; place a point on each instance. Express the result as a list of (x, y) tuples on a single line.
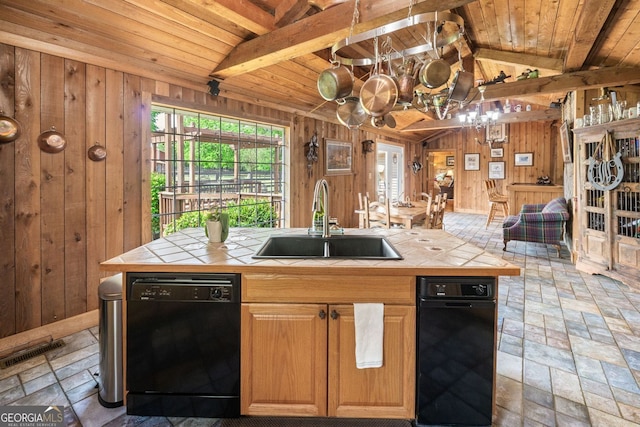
[(270, 52)]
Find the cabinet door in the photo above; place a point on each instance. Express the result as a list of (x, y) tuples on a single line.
[(386, 392), (609, 241), (284, 359), (625, 205), (595, 238)]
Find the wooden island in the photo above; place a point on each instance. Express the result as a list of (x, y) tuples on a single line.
[(319, 367)]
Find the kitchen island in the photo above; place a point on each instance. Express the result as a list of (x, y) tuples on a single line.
[(297, 315)]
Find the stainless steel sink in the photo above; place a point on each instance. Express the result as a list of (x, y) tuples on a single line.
[(303, 246)]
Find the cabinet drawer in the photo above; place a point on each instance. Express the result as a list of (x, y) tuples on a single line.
[(328, 288)]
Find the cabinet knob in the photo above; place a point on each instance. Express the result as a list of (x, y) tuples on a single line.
[(322, 314), (334, 314)]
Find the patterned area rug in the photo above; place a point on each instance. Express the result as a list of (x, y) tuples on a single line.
[(311, 422)]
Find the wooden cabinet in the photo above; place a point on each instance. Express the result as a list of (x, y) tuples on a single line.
[(609, 218), (298, 359)]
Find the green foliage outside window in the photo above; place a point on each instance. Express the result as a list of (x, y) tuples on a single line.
[(157, 185), (249, 213)]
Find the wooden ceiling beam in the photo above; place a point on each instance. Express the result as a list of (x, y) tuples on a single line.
[(519, 59), (318, 32), (524, 116), (592, 18), (561, 83), (289, 11)]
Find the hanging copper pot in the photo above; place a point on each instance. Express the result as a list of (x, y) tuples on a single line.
[(52, 141), (407, 82), (335, 83), (10, 129)]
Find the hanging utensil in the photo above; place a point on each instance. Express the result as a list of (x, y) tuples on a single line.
[(435, 73), (10, 128), (462, 81), (379, 93), (335, 83), (461, 86), (407, 82), (97, 153), (350, 113), (52, 141)]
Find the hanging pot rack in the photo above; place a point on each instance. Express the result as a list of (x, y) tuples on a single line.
[(429, 46)]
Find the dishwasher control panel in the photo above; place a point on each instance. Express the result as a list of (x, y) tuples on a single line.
[(165, 287), (457, 287)]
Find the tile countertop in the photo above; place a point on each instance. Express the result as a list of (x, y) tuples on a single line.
[(425, 252)]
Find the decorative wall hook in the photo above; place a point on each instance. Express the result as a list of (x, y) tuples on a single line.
[(311, 151), (367, 146)]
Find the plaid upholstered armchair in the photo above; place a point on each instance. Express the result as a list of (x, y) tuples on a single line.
[(541, 223)]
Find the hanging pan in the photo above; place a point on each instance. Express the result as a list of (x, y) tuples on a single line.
[(10, 129), (435, 73), (52, 141), (462, 84), (97, 153), (350, 113)]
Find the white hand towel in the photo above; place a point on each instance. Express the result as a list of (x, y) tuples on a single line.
[(369, 323)]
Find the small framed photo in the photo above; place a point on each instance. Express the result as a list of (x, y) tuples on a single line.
[(565, 140), (523, 159), (497, 152), (450, 161), (496, 170), (472, 162), (338, 157), (496, 133)]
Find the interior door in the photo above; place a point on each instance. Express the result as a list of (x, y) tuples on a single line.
[(389, 168)]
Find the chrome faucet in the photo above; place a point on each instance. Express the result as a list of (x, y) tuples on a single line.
[(321, 185)]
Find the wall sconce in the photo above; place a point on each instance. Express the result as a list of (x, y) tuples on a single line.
[(367, 146)]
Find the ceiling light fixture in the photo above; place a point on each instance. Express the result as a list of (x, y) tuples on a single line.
[(477, 118)]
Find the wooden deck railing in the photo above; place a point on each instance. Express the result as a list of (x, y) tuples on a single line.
[(173, 205)]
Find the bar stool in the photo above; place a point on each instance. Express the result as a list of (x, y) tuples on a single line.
[(497, 201)]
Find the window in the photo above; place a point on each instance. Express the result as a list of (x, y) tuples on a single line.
[(201, 161)]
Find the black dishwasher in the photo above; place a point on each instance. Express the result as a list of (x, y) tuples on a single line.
[(456, 350), (183, 345)]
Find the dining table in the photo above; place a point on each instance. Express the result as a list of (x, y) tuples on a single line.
[(405, 214)]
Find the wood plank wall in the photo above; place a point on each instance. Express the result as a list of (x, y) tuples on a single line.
[(539, 138), (62, 214)]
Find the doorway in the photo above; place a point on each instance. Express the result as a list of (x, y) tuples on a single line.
[(389, 171), (441, 173)]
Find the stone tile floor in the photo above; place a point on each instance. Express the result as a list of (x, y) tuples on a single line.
[(568, 349)]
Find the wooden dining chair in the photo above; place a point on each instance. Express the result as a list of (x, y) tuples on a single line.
[(376, 214), (497, 201), (437, 216), (361, 200), (428, 207)]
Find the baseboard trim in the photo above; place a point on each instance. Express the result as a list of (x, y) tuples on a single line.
[(54, 331)]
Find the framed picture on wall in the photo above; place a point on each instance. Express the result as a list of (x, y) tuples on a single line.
[(523, 159), (497, 152), (450, 161), (496, 170), (337, 157), (472, 162), (496, 133)]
